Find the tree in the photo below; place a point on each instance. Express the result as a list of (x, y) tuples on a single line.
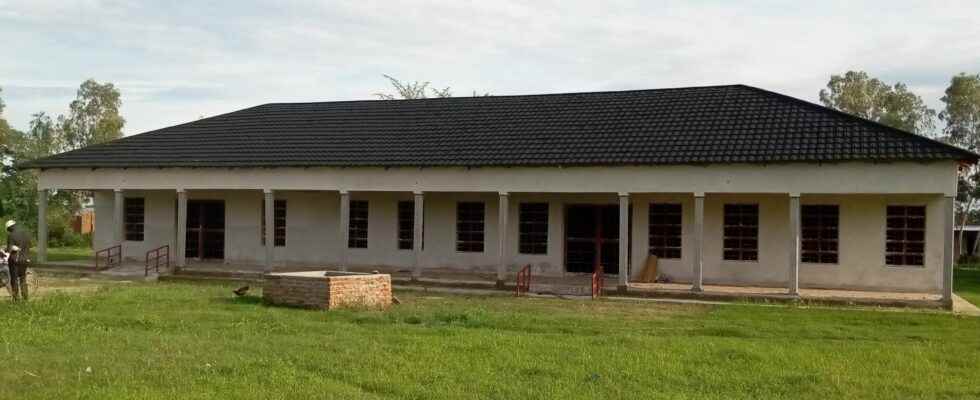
[(416, 90), (41, 140), (962, 117), (4, 128), (93, 116), (858, 94)]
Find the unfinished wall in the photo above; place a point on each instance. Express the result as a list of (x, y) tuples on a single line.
[(312, 237)]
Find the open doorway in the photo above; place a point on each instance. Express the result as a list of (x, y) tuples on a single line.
[(592, 238), (205, 229)]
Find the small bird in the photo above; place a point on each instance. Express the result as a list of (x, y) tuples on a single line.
[(241, 291)]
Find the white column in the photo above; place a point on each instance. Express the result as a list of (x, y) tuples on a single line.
[(344, 229), (948, 217), (419, 220), (793, 286), (696, 243), (270, 228), (624, 237), (42, 225), (119, 230), (502, 219), (181, 250)]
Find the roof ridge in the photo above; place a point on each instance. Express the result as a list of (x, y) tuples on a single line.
[(887, 128), (494, 96)]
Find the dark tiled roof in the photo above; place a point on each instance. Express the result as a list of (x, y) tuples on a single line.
[(716, 124)]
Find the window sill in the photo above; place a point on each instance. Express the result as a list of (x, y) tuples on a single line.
[(813, 264), (889, 266), (740, 262)]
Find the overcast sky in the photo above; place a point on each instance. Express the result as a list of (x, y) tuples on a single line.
[(176, 62)]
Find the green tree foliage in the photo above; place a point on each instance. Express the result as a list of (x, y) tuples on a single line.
[(962, 111), (4, 127), (894, 105), (93, 116), (962, 117)]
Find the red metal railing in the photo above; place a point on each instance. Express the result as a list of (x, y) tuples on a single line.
[(523, 281), (598, 281), (153, 258), (111, 255)]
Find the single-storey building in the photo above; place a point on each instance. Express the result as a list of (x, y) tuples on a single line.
[(723, 184)]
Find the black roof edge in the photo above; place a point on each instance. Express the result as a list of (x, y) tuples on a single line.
[(32, 164), (968, 156)]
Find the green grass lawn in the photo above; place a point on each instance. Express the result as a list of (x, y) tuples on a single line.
[(66, 254), (180, 341), (967, 283)]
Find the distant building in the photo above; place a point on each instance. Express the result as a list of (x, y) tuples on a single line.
[(970, 234)]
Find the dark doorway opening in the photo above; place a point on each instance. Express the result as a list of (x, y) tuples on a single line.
[(205, 229), (592, 238)]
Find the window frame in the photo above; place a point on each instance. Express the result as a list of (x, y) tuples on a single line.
[(668, 210), (405, 236), (905, 229), (530, 238), (740, 225), (821, 216), (471, 244), (358, 226), (278, 223), (134, 231)]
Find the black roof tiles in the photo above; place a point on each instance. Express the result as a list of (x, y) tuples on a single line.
[(714, 124)]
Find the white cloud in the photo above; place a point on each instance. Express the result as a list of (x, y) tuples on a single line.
[(176, 62)]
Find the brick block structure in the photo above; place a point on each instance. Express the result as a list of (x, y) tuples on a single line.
[(328, 290)]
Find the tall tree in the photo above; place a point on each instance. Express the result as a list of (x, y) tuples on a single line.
[(93, 116), (42, 138), (416, 90), (893, 105), (4, 128), (962, 117), (412, 90)]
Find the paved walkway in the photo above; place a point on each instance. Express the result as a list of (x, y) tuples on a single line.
[(569, 285), (961, 306)]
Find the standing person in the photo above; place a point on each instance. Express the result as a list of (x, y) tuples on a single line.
[(18, 245)]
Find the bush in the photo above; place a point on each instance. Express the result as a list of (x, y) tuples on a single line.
[(967, 259), (69, 239)]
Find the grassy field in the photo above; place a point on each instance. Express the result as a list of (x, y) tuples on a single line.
[(967, 283), (66, 254), (180, 341)]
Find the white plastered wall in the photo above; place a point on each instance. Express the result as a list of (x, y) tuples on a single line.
[(861, 189)]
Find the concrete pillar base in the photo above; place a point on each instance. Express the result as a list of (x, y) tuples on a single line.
[(622, 289), (697, 289)]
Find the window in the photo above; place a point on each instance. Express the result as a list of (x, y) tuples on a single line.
[(278, 222), (818, 238), (665, 230), (905, 235), (741, 241), (135, 213), (533, 228), (406, 225), (469, 226), (357, 229)]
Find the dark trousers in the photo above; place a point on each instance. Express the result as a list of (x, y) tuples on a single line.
[(18, 279)]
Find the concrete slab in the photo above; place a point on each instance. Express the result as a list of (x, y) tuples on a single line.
[(961, 306)]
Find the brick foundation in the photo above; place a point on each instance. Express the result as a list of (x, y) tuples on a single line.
[(314, 289)]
